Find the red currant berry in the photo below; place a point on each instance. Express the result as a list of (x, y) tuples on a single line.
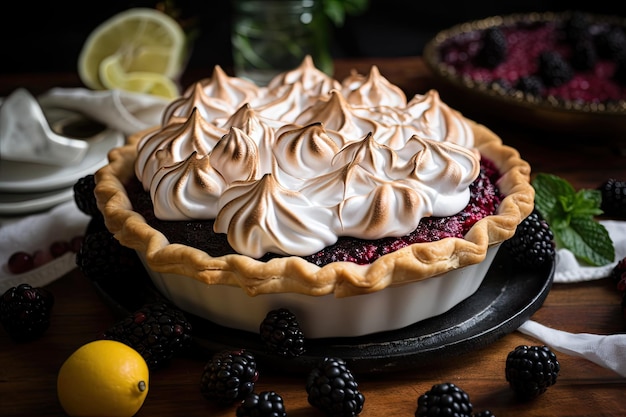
[(59, 248), (41, 257), (20, 262), (75, 243)]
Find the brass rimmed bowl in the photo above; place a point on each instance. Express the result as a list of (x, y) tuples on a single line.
[(489, 102)]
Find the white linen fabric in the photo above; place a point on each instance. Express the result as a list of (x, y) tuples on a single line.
[(568, 269), (39, 231), (119, 110), (608, 351)]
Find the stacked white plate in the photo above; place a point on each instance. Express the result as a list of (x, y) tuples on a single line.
[(30, 187)]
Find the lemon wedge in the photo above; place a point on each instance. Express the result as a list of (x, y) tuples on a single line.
[(139, 49)]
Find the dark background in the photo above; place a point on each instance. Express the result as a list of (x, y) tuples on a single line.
[(48, 36)]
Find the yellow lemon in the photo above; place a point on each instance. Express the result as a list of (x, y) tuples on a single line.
[(103, 378), (140, 40)]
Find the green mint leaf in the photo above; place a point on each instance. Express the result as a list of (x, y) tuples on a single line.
[(570, 215), (587, 203), (552, 196), (588, 240)]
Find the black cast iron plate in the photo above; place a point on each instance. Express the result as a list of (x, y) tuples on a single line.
[(508, 296)]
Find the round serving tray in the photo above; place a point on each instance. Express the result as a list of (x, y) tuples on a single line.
[(507, 297), (491, 105)]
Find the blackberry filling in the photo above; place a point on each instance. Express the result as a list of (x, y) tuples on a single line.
[(593, 48), (484, 200)]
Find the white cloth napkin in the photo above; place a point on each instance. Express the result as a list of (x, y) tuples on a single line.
[(568, 269), (26, 135), (120, 110), (36, 232), (608, 351)]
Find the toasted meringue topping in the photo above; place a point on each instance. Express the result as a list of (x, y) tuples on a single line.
[(261, 216), (291, 167), (209, 108), (232, 90), (314, 81), (174, 143), (336, 114), (196, 188), (437, 121), (372, 91)]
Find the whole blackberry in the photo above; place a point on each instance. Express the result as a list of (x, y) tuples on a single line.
[(554, 70), (229, 376), (444, 399), (530, 370), (577, 27), (613, 198), (493, 50), (102, 256), (584, 56), (84, 196), (611, 44), (263, 404), (157, 331), (332, 388), (533, 243), (530, 84), (281, 333), (25, 312)]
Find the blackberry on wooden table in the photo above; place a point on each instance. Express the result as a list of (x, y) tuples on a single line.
[(25, 311), (229, 376), (613, 193), (263, 404), (281, 333), (332, 388), (157, 331), (444, 399), (531, 370)]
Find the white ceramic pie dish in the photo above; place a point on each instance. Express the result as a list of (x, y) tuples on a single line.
[(327, 316), (338, 299)]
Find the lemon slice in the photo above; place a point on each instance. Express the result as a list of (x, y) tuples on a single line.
[(112, 75), (141, 41)]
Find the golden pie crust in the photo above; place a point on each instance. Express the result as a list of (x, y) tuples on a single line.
[(294, 274)]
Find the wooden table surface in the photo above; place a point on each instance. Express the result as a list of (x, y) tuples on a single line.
[(28, 371)]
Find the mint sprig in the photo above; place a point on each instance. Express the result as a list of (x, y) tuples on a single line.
[(571, 216)]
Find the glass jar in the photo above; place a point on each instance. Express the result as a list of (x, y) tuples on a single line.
[(272, 36)]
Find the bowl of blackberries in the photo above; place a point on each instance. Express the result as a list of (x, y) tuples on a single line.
[(562, 71)]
